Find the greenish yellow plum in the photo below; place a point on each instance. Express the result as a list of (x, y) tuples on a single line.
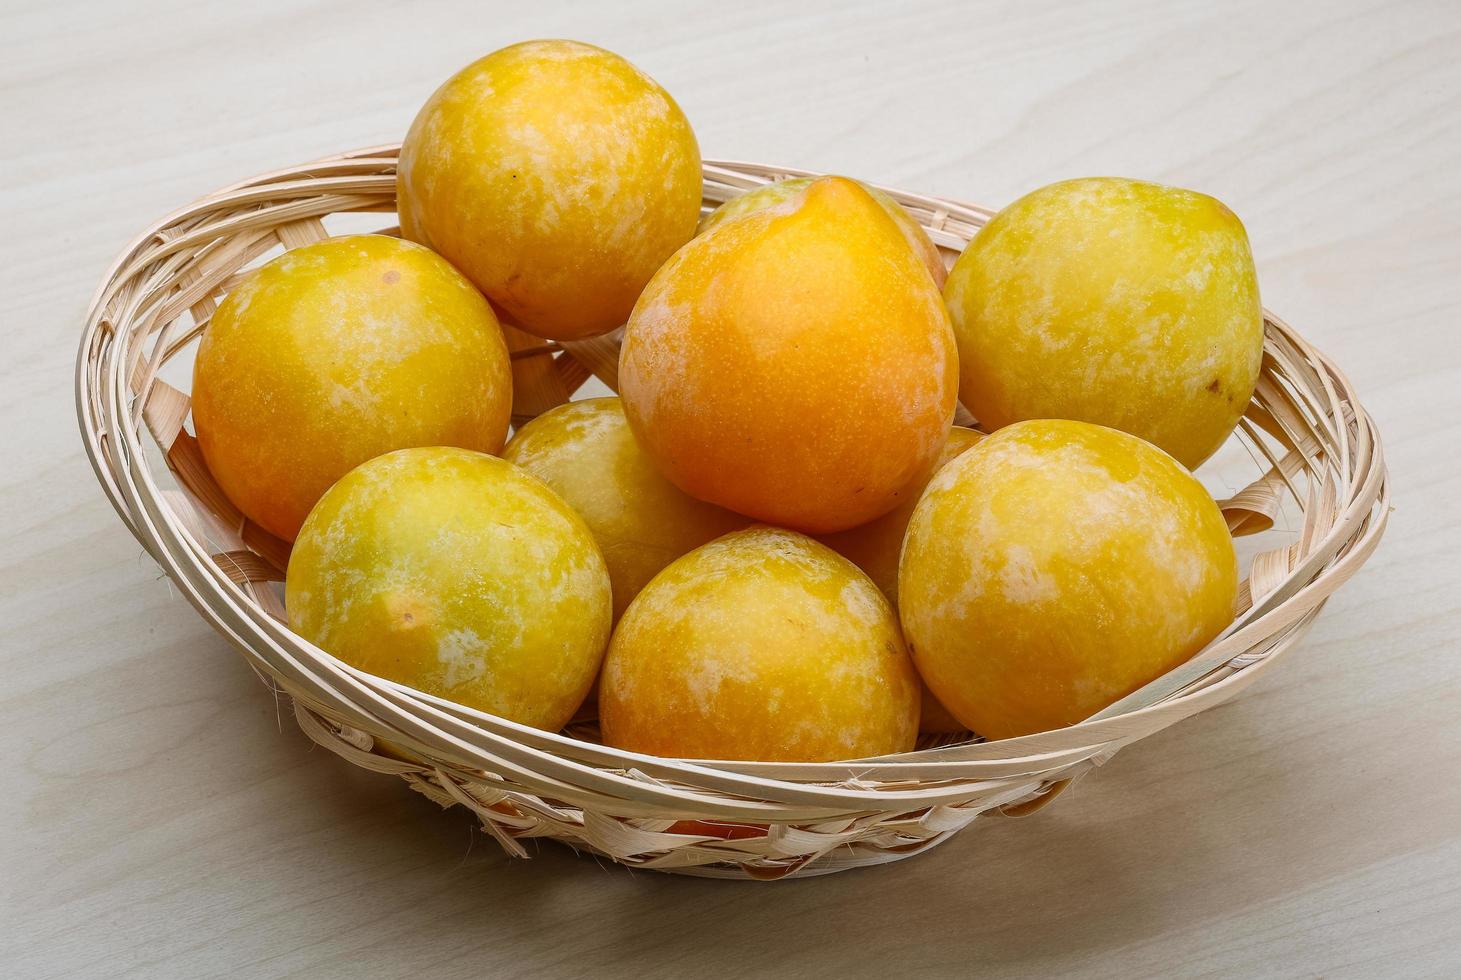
[(1055, 568), (585, 451), (558, 177), (762, 644), (337, 352), (460, 575), (1120, 302), (781, 192)]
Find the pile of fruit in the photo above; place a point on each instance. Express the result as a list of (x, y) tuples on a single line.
[(773, 544)]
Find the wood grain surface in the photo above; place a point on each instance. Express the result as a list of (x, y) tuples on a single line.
[(159, 815)]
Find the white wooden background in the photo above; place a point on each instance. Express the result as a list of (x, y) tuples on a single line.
[(158, 819)]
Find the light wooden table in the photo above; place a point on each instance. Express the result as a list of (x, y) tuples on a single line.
[(159, 818)]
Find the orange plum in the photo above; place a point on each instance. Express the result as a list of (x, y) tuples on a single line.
[(794, 364), (778, 192)]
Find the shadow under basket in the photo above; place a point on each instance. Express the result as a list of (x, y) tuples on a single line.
[(1312, 506)]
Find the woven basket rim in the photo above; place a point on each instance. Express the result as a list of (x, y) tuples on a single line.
[(113, 419)]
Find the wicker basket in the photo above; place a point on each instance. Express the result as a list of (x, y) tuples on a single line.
[(1315, 452)]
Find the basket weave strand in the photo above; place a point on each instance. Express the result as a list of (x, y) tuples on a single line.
[(1316, 454)]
